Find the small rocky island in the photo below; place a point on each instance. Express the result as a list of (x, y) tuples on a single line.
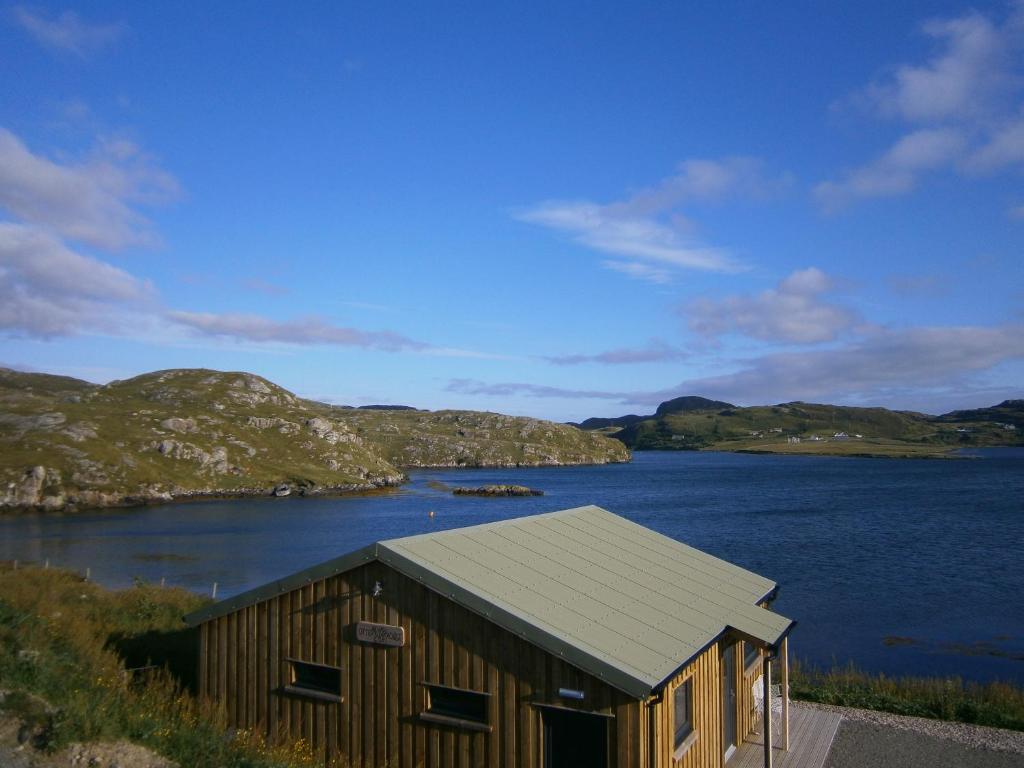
[(497, 490), (67, 444)]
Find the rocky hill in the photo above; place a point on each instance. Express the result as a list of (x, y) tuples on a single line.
[(693, 423), (67, 444)]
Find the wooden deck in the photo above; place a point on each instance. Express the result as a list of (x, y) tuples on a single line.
[(811, 732)]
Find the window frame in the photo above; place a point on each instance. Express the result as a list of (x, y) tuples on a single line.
[(750, 661), (312, 691), (682, 741), (430, 715)]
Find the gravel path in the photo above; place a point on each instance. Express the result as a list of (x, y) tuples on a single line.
[(869, 739)]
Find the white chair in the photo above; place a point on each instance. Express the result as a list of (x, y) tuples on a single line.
[(776, 694)]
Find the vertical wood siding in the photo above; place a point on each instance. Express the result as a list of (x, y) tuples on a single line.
[(706, 749), (244, 666)]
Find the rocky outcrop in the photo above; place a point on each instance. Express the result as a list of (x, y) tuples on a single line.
[(497, 490), (66, 444)]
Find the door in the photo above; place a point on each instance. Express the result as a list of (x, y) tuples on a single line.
[(729, 700), (574, 739)]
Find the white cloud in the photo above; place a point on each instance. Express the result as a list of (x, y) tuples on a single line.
[(305, 331), (896, 171), (47, 289), (792, 312), (968, 74), (656, 351), (91, 201), (961, 106), (67, 32), (607, 229), (1003, 147), (648, 227)]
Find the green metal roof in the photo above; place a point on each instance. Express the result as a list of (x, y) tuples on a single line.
[(618, 600)]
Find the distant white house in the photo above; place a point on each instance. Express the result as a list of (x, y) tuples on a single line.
[(792, 439), (840, 436)]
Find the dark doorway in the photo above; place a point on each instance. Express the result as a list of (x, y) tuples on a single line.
[(574, 739)]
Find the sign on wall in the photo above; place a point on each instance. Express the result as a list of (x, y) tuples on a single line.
[(380, 634)]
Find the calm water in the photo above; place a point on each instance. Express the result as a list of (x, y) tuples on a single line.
[(864, 549)]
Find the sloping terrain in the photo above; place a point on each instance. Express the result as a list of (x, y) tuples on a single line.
[(813, 428), (66, 443)]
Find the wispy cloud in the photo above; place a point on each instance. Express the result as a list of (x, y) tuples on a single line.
[(918, 368), (910, 368), (67, 32), (48, 289), (793, 312), (305, 331), (504, 389), (649, 229), (266, 287), (656, 351), (639, 271), (93, 200), (960, 109), (929, 285)]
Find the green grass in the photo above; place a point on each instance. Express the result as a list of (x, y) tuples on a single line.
[(996, 704), (72, 645)]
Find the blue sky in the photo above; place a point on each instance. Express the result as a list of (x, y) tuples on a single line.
[(558, 211)]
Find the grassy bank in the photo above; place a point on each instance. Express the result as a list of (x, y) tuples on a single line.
[(76, 661), (1000, 705)]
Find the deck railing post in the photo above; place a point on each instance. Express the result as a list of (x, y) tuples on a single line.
[(784, 690), (767, 718)]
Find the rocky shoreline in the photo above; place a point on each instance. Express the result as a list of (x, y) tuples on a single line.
[(29, 496)]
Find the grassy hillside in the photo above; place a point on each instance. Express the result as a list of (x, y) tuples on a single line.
[(172, 434), (822, 429), (80, 664)]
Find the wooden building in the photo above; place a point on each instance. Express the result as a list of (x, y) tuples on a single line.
[(575, 638)]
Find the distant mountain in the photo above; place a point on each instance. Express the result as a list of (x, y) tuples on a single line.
[(387, 408), (694, 423), (599, 423), (689, 403), (676, 405), (67, 444), (1007, 412)]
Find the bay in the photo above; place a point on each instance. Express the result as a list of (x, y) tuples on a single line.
[(900, 566)]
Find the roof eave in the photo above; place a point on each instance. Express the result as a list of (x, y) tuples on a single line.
[(274, 588)]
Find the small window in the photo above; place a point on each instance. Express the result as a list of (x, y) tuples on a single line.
[(751, 653), (456, 706), (317, 681), (682, 701)]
